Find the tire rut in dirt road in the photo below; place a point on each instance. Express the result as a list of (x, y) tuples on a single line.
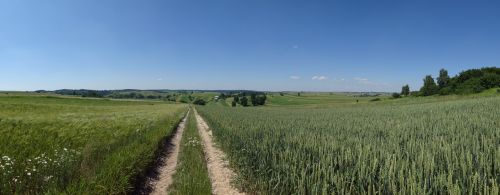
[(218, 169), (168, 165)]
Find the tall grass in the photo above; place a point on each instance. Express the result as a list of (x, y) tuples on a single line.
[(75, 146), (428, 148), (192, 174)]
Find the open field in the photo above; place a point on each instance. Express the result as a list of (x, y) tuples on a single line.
[(448, 144), (315, 143), (74, 145)]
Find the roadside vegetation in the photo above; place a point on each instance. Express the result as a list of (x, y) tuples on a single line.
[(412, 146), (79, 146), (192, 174)]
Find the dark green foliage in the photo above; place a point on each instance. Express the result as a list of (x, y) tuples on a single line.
[(375, 99), (282, 94), (466, 82), (443, 78), (430, 87), (236, 99), (396, 95), (261, 100), (222, 96), (233, 103), (244, 101), (405, 90), (253, 99), (258, 100), (199, 102), (473, 81), (298, 94), (415, 93)]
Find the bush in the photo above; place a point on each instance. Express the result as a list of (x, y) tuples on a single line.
[(199, 102), (244, 101), (375, 99), (233, 104), (396, 95)]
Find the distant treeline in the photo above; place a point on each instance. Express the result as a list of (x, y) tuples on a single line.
[(466, 82), (120, 94)]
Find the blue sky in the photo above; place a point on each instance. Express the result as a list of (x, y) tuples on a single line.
[(242, 44)]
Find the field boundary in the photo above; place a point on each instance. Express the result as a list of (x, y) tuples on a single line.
[(166, 148)]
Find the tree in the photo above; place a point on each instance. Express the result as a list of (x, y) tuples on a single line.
[(244, 101), (298, 94), (261, 100), (253, 99), (396, 95), (405, 90), (236, 98), (233, 103), (443, 78), (430, 87), (199, 102)]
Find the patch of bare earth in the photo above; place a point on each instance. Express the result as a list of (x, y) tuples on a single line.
[(169, 163), (218, 169)]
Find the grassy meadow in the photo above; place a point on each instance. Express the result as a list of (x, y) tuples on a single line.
[(79, 146), (322, 145)]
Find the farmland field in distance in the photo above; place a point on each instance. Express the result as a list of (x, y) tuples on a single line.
[(72, 145), (414, 147)]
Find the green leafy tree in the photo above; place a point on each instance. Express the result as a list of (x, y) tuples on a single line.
[(233, 103), (443, 79), (244, 101), (405, 90), (253, 99), (261, 100), (396, 95), (199, 102), (430, 87), (236, 98)]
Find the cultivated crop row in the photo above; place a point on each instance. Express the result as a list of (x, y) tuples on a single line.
[(430, 148)]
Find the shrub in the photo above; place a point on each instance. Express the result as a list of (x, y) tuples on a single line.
[(199, 102), (396, 95), (375, 99), (244, 101)]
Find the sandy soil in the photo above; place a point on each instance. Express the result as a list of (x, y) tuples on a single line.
[(169, 163), (218, 169)]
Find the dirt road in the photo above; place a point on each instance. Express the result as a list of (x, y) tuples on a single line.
[(169, 163), (218, 169)]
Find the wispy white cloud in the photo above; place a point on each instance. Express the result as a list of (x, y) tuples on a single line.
[(320, 78), (159, 79), (360, 79), (295, 77)]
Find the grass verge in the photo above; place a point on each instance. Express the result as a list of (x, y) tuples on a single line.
[(192, 174)]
